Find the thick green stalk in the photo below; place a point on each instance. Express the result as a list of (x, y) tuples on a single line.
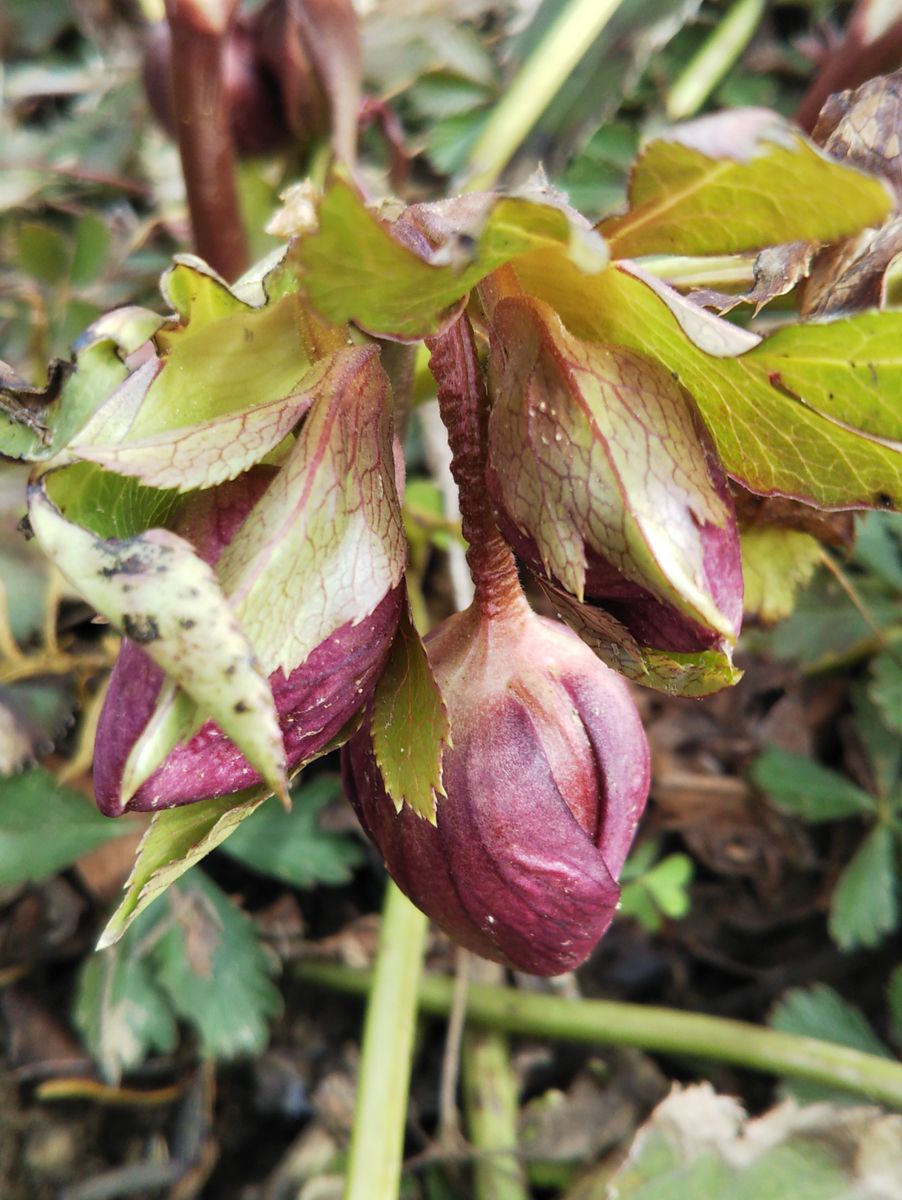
[(492, 1107), (706, 69), (377, 1142), (535, 86), (667, 1031)]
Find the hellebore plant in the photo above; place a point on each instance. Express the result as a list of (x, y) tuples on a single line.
[(222, 485)]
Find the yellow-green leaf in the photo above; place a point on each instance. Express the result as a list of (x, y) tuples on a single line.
[(775, 564)]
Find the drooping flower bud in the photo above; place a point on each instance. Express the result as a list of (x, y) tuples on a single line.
[(315, 701), (545, 782)]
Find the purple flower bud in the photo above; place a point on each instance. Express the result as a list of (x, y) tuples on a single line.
[(315, 701), (545, 782)]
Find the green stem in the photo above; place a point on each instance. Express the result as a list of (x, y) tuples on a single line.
[(377, 1142), (706, 69), (535, 86), (492, 1107), (664, 1030)]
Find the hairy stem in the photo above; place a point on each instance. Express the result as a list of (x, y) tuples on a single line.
[(463, 406), (706, 69), (535, 86), (377, 1142), (201, 104), (667, 1031)]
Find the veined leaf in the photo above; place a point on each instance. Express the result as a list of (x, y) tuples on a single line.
[(804, 443), (864, 907), (354, 269), (159, 593), (775, 564), (326, 543), (804, 788), (410, 727), (736, 181), (176, 840)]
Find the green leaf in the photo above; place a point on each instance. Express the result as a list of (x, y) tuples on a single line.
[(120, 1010), (292, 846), (410, 727), (820, 1012), (775, 564), (45, 827), (176, 840), (740, 181), (886, 688), (213, 969), (650, 891), (882, 746), (826, 628), (43, 252), (805, 789), (805, 443), (864, 907), (156, 591), (110, 505), (878, 546), (325, 544), (354, 269), (597, 447), (92, 244)]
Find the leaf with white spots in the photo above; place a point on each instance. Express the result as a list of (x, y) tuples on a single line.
[(158, 592)]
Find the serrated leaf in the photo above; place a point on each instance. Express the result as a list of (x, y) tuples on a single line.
[(864, 907), (176, 840), (325, 544), (156, 590), (886, 688), (802, 443), (110, 505), (701, 1145), (292, 846), (882, 746), (820, 1012), (737, 181), (122, 1013), (775, 564), (45, 827), (353, 269), (826, 628), (410, 726), (878, 546), (213, 969), (805, 789)]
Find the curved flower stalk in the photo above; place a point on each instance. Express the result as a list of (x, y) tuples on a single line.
[(547, 770)]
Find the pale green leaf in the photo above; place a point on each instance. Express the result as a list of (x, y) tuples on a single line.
[(410, 727), (771, 439), (155, 590), (325, 544), (805, 789), (598, 447), (45, 827), (354, 269), (176, 840), (864, 907), (738, 181), (215, 973), (775, 564), (698, 1145), (120, 1010), (292, 846)]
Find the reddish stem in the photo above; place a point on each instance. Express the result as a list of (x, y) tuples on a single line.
[(201, 106), (463, 406)]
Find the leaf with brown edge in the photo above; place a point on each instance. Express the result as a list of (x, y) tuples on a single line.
[(738, 181), (325, 544), (597, 448), (155, 589), (410, 727), (809, 444), (410, 281)]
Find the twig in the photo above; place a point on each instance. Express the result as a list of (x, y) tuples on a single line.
[(448, 1122), (664, 1030)]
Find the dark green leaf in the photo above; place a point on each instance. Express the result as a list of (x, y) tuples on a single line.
[(886, 687), (291, 846), (799, 786), (882, 746), (45, 827), (864, 907)]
